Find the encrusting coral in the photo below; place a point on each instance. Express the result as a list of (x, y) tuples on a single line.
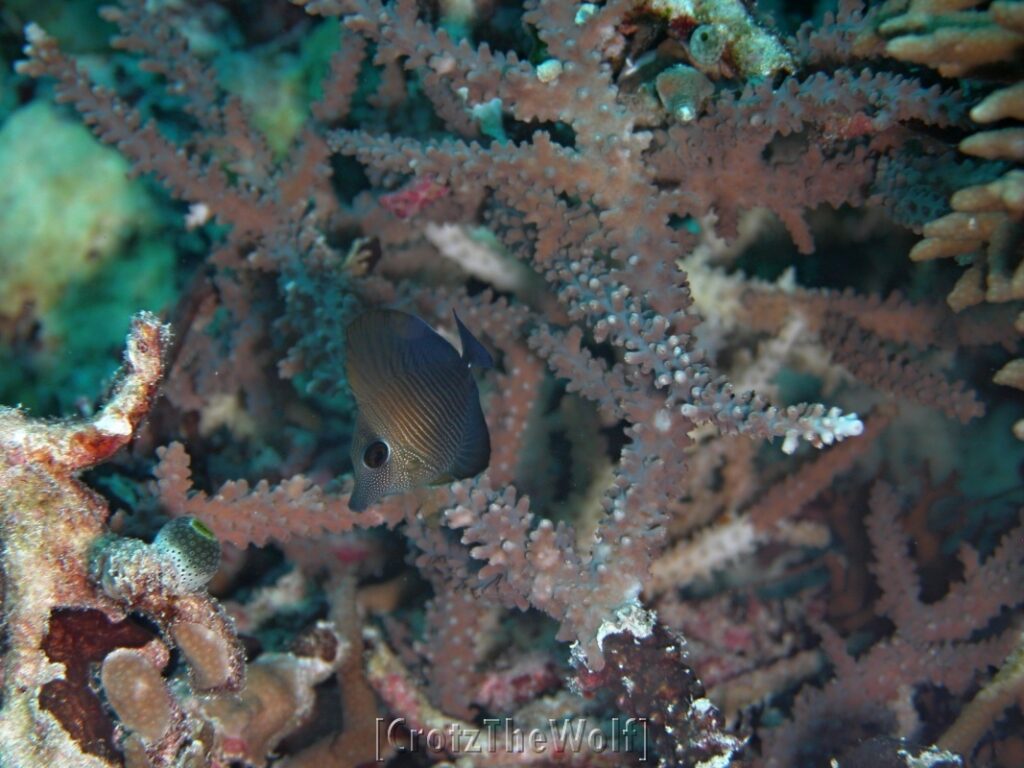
[(73, 593), (49, 524), (985, 229)]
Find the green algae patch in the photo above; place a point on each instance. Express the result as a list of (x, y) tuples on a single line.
[(74, 261), (66, 207)]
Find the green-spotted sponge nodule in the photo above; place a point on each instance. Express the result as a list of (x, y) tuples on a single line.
[(192, 548)]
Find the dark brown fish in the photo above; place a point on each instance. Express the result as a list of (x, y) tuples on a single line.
[(419, 420)]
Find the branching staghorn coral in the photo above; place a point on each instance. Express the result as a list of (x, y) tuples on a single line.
[(588, 173), (930, 644)]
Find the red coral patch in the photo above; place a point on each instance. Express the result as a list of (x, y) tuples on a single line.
[(78, 639)]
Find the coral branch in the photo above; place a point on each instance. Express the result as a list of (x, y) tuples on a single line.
[(49, 522)]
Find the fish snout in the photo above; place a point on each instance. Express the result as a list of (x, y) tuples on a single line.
[(360, 499)]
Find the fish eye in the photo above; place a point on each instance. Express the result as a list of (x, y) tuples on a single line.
[(376, 454)]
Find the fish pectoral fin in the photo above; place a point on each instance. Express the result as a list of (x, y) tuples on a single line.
[(474, 451)]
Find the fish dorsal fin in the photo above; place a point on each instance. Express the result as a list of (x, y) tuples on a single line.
[(473, 352), (474, 450), (389, 342)]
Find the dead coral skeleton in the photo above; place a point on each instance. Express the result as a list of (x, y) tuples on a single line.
[(70, 587), (49, 524)]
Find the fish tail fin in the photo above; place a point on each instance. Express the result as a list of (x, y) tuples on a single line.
[(474, 452), (473, 352)]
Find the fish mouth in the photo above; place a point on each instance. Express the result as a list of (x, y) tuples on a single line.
[(359, 500)]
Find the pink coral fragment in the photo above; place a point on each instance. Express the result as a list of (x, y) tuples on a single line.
[(414, 197)]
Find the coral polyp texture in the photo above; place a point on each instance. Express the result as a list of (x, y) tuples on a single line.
[(751, 283)]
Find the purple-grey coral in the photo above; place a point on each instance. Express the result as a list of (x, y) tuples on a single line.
[(593, 191)]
